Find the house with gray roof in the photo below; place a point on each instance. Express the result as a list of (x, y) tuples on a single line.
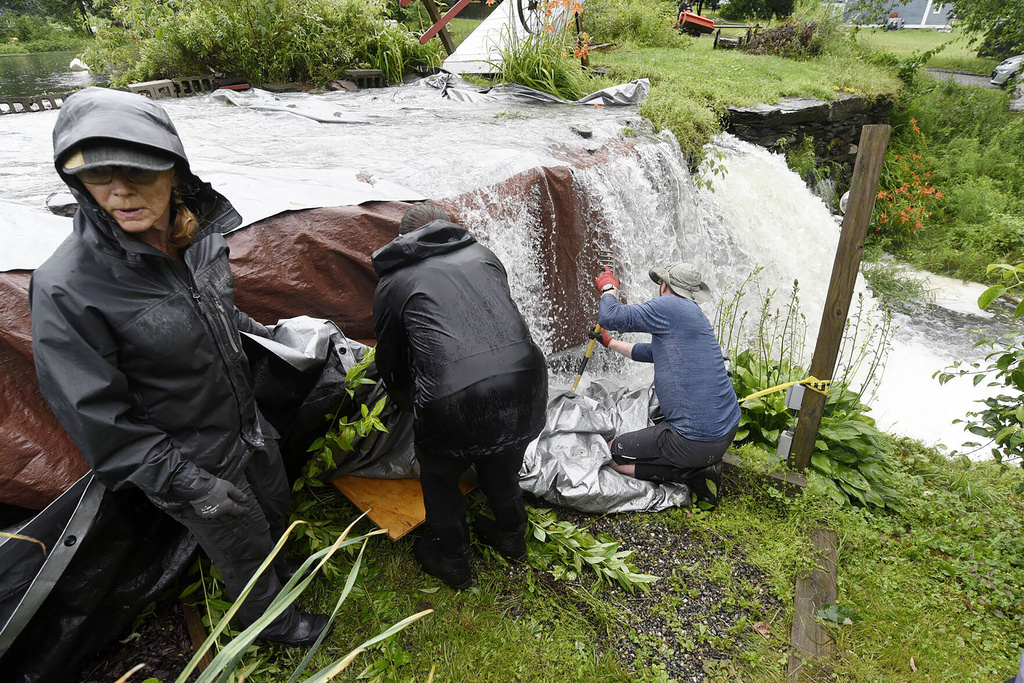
[(915, 13)]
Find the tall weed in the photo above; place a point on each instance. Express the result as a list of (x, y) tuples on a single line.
[(544, 61), (632, 22), (767, 349)]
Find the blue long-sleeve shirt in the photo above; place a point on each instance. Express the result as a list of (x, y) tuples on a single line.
[(690, 378)]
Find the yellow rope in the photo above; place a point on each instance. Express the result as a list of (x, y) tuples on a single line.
[(813, 383)]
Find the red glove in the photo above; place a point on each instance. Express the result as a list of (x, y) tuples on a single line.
[(602, 337), (607, 277)]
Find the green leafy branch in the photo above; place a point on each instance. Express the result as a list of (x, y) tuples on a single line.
[(343, 430), (564, 550)]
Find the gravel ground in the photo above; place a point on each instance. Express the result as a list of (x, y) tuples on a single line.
[(683, 623)]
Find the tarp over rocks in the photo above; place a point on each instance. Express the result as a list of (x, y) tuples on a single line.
[(317, 263)]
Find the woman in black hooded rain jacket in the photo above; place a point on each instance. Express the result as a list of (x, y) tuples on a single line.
[(137, 347)]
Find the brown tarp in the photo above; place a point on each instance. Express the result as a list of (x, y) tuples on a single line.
[(316, 263)]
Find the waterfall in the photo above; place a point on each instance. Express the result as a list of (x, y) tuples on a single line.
[(646, 208)]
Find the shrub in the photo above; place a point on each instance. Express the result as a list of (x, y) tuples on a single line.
[(633, 22), (259, 40), (758, 9), (788, 40), (546, 61)]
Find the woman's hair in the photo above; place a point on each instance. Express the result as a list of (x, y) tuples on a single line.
[(418, 215), (186, 224)]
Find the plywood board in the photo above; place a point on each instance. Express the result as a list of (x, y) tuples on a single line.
[(395, 505)]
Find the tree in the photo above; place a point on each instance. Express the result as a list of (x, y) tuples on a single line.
[(1000, 22)]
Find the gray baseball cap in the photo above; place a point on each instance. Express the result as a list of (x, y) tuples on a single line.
[(106, 154), (683, 279)]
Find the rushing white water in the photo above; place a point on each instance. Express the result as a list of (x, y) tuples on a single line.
[(645, 203)]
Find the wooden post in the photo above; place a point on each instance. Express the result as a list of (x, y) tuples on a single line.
[(866, 171), (809, 639), (435, 16)]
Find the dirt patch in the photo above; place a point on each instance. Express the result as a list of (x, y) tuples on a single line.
[(160, 642)]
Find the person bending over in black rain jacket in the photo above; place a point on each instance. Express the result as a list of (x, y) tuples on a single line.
[(137, 348), (453, 349)]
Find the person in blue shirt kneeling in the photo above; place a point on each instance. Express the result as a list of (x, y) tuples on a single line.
[(690, 378)]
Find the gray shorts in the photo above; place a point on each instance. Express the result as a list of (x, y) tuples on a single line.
[(663, 445)]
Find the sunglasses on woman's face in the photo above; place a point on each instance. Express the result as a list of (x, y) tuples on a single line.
[(101, 175)]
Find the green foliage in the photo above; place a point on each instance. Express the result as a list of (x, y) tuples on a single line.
[(972, 147), (545, 61), (758, 9), (890, 282), (564, 550), (849, 452), (999, 21), (34, 28), (1002, 420), (344, 430), (230, 653), (632, 22), (263, 41)]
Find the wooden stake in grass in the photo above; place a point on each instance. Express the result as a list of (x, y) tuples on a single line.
[(866, 172)]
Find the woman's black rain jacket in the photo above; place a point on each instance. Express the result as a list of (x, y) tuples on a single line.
[(139, 356), (452, 346)]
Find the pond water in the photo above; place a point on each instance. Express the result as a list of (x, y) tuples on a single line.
[(42, 73)]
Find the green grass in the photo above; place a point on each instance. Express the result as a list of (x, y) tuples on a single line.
[(906, 574), (691, 86), (956, 55), (55, 45)]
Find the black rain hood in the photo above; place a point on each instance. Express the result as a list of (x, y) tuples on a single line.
[(434, 238), (138, 354), (96, 114)]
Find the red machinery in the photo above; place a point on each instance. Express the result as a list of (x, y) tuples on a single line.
[(694, 24)]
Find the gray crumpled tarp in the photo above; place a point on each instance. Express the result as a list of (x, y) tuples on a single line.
[(631, 93), (567, 463)]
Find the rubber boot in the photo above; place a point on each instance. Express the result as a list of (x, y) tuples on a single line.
[(511, 544), (306, 630), (705, 483), (452, 569)]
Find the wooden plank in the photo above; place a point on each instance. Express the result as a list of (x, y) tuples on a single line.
[(196, 631), (789, 483), (866, 171), (435, 16), (808, 638), (395, 505)]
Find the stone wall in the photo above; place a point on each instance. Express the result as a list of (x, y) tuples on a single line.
[(835, 125)]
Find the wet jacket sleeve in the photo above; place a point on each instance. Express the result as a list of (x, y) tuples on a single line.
[(645, 317), (75, 358), (246, 324), (392, 355)]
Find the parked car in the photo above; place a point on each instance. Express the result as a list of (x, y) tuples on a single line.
[(1002, 74)]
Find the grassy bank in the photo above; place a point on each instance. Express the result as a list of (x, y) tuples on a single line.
[(968, 148), (958, 52), (692, 85), (68, 44), (934, 591)]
